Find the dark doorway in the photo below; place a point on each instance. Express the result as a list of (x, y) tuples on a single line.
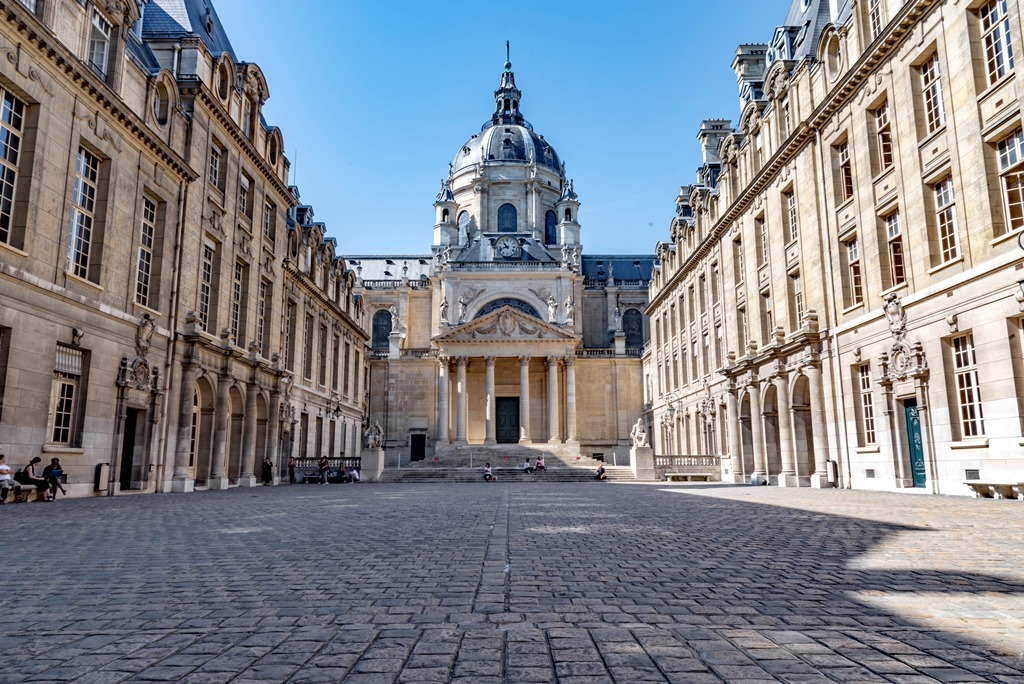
[(914, 442), (128, 444), (417, 447), (507, 425)]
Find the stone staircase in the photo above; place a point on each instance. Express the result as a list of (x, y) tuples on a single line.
[(453, 463)]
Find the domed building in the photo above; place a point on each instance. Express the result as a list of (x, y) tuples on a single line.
[(492, 336)]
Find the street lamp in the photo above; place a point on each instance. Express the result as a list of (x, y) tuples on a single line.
[(334, 405)]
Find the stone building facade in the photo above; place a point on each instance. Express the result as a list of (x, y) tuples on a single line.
[(838, 300), (505, 332), (157, 270)]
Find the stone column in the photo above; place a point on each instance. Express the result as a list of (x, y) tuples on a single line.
[(524, 400), (570, 400), (735, 438), (553, 427), (180, 481), (760, 474), (460, 418), (442, 401), (489, 417), (820, 476), (274, 433), (787, 478), (218, 478), (247, 478)]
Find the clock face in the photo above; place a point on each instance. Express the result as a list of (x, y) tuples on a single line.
[(507, 247)]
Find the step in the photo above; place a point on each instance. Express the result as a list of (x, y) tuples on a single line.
[(449, 475)]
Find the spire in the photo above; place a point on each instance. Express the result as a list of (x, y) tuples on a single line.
[(507, 96)]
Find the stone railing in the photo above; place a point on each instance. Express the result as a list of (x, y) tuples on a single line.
[(378, 353), (395, 284), (633, 352), (418, 353), (602, 283), (688, 461), (504, 266)]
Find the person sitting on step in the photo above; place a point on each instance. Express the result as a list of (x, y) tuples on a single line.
[(527, 468), (487, 473), (600, 475), (539, 466)]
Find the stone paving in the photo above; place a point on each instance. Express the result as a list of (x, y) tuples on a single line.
[(480, 583)]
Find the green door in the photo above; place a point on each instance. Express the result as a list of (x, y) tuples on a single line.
[(507, 413), (914, 442)]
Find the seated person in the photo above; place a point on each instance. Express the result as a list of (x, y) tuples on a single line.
[(527, 468), (353, 475), (540, 464), (6, 482), (52, 474), (487, 473), (600, 472), (30, 479)]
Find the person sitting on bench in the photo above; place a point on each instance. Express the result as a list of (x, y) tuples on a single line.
[(52, 474), (6, 482), (30, 479)]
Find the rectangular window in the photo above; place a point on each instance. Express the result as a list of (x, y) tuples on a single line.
[(894, 238), (12, 124), (246, 117), (68, 391), (737, 260), (207, 269), (931, 88), (965, 370), (694, 361), (875, 17), (797, 288), (767, 317), (761, 230), (239, 302), (322, 357), (867, 404), (995, 36), (30, 4), (307, 348), (883, 136), (99, 43), (716, 284), (718, 346), (147, 242), (1012, 169), (304, 435), (842, 151), (83, 213), (742, 329), (789, 213), (702, 289), (244, 195), (269, 220), (854, 275), (290, 323), (217, 160), (945, 220), (785, 118), (335, 352), (263, 307)]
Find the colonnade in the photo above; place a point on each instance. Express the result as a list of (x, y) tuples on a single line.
[(559, 385)]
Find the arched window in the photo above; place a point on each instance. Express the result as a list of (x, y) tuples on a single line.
[(550, 229), (464, 227), (444, 216), (633, 326), (381, 329), (507, 219), (568, 215)]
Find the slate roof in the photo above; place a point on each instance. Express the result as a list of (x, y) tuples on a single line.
[(624, 266), (170, 19), (812, 19)]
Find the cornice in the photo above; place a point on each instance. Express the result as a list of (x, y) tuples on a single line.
[(95, 89), (841, 94)]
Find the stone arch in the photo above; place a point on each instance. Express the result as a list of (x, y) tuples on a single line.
[(381, 329), (201, 455), (550, 228), (236, 425), (508, 218), (633, 326), (746, 456), (803, 432), (770, 430), (262, 437), (514, 302)]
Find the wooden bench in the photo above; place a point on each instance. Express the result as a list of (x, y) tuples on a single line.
[(996, 490), (688, 477)]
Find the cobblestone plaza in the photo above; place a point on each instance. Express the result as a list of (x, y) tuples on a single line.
[(514, 583)]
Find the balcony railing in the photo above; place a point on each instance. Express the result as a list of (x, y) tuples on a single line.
[(504, 266), (601, 283)]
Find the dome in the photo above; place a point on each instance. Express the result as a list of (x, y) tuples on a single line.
[(507, 143)]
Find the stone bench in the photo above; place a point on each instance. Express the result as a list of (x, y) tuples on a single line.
[(688, 477), (996, 490)]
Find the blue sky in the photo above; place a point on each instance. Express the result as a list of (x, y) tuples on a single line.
[(374, 99)]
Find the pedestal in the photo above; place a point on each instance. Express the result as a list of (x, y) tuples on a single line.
[(372, 464), (820, 481), (217, 483), (642, 462), (248, 481), (184, 485)]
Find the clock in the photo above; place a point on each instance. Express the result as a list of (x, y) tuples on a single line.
[(507, 247)]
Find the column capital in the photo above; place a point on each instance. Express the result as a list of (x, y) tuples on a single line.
[(525, 360), (462, 361), (569, 360), (489, 360), (552, 361)]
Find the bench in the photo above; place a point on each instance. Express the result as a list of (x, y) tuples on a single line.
[(688, 477), (996, 490), (307, 470)]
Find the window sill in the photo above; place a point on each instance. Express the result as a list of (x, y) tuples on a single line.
[(970, 443), (12, 249), (72, 277), (843, 203), (143, 307), (1006, 237), (852, 308), (62, 449), (992, 88), (869, 449), (882, 173), (946, 264), (894, 288), (932, 137)]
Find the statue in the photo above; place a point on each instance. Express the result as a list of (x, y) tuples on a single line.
[(394, 317), (446, 255), (552, 306), (570, 310), (374, 436), (639, 434), (618, 320), (444, 311), (462, 308), (565, 254)]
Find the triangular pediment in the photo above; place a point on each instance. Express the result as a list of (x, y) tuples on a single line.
[(506, 325)]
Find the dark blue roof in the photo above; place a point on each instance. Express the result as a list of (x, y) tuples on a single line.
[(169, 19), (624, 266)]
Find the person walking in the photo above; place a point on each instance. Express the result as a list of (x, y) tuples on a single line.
[(268, 470)]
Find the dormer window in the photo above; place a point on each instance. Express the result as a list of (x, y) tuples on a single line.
[(99, 43), (247, 117)]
